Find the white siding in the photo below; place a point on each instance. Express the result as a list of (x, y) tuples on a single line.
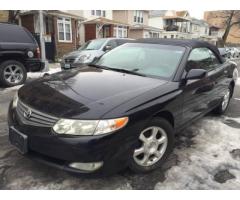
[(156, 22)]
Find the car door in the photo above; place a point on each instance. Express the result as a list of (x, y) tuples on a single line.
[(198, 94), (220, 79)]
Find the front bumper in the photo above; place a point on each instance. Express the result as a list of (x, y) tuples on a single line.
[(44, 146), (34, 65)]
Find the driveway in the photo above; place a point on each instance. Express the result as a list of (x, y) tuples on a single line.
[(207, 156)]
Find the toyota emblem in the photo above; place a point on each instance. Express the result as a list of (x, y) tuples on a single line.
[(27, 114)]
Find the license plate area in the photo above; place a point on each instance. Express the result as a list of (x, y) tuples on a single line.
[(67, 66), (19, 140)]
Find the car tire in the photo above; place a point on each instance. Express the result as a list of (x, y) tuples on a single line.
[(225, 102), (162, 150), (12, 73)]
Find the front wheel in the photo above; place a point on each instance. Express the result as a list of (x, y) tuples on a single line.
[(154, 145), (12, 73)]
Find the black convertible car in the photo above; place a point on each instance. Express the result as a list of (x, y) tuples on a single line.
[(124, 109)]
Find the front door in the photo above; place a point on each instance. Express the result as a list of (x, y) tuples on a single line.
[(198, 94)]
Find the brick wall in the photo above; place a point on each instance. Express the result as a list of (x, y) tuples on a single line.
[(3, 15), (66, 47)]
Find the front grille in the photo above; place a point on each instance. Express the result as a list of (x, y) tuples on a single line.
[(30, 116), (69, 60)]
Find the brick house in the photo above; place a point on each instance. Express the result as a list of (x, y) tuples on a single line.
[(61, 33), (139, 23), (100, 24), (103, 28)]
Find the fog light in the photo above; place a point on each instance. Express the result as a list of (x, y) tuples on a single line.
[(86, 166)]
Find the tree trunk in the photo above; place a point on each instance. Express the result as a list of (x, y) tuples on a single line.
[(228, 27), (12, 16)]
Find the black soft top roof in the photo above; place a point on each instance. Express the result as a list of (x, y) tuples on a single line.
[(184, 42)]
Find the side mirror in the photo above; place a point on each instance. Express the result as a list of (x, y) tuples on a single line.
[(196, 74), (108, 48)]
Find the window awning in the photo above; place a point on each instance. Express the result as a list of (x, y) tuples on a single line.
[(105, 21)]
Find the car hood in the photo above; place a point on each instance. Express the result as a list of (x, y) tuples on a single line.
[(85, 93), (76, 54)]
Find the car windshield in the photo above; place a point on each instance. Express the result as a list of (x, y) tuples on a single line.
[(152, 60), (93, 44)]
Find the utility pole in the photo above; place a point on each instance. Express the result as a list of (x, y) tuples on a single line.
[(42, 41)]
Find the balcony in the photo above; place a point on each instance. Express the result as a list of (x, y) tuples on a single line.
[(181, 29)]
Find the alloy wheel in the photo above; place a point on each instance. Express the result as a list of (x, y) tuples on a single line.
[(153, 144), (13, 74), (226, 99)]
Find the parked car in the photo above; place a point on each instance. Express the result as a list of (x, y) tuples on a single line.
[(234, 52), (19, 54), (224, 53), (91, 50), (124, 109)]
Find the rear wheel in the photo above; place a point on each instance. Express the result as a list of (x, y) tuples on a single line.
[(225, 102), (12, 73), (154, 145)]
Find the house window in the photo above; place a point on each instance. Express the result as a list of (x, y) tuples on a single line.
[(138, 16), (120, 32), (206, 30), (64, 29), (104, 13), (100, 13), (154, 34)]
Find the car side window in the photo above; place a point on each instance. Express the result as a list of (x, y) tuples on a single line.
[(215, 61), (201, 58), (111, 43)]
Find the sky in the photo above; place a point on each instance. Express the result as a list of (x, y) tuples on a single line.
[(197, 13)]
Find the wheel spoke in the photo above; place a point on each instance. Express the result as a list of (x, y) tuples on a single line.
[(158, 154), (154, 132), (138, 151), (143, 138), (145, 159), (162, 140), (7, 73)]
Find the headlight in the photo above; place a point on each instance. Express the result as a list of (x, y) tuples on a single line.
[(84, 58), (89, 127), (15, 100)]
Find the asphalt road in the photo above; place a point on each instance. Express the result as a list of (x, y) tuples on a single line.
[(18, 172)]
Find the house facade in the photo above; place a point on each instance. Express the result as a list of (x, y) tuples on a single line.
[(100, 24), (199, 28), (139, 23), (60, 30), (175, 24)]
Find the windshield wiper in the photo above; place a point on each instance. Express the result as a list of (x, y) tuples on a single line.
[(127, 71), (100, 66), (119, 70)]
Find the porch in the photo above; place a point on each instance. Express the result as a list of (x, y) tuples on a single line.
[(104, 28)]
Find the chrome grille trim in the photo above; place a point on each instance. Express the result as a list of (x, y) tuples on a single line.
[(69, 60), (37, 118)]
